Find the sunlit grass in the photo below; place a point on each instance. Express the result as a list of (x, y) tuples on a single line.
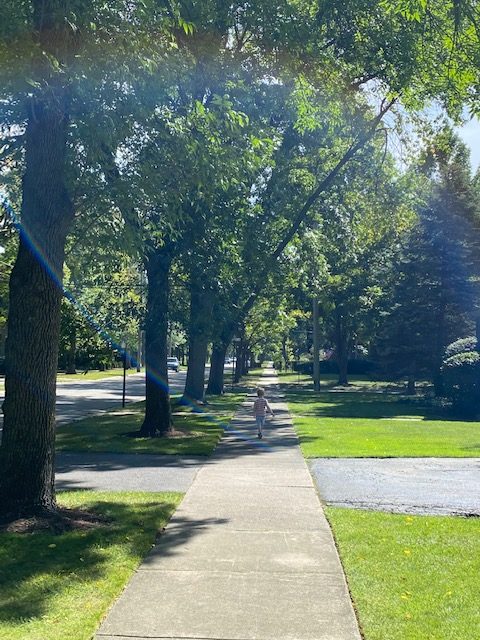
[(93, 375), (55, 587), (196, 433), (411, 578), (369, 424), (358, 382)]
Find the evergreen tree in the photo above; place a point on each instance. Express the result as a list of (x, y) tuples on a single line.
[(434, 296)]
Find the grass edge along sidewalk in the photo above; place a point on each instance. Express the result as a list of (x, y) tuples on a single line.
[(410, 577), (266, 534), (61, 586), (365, 423), (196, 432)]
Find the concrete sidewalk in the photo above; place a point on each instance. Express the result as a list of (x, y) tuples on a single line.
[(248, 554)]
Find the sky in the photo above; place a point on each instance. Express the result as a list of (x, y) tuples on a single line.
[(470, 134)]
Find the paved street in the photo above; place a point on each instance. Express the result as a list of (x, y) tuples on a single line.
[(127, 472), (404, 485), (81, 398), (407, 485)]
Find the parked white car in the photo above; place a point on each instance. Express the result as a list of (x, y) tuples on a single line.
[(173, 363)]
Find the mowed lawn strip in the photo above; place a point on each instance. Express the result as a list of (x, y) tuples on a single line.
[(93, 374), (196, 433), (361, 424), (60, 586), (411, 577)]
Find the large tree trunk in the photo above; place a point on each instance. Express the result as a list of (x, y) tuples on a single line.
[(195, 382), (248, 360), (224, 332), (216, 379), (285, 354), (72, 352), (412, 376), (439, 339), (244, 359), (341, 348), (238, 371), (158, 416), (411, 387), (27, 449), (201, 305)]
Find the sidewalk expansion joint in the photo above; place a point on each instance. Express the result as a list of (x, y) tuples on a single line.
[(289, 574), (136, 636)]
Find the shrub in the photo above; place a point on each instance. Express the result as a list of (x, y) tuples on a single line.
[(463, 345), (461, 376)]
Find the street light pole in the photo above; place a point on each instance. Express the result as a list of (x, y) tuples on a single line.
[(124, 360), (139, 350), (316, 347)]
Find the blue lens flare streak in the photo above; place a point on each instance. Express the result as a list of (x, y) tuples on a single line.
[(56, 278)]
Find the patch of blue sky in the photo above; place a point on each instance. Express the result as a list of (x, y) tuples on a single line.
[(470, 134)]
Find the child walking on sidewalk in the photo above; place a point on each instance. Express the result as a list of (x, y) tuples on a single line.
[(260, 408)]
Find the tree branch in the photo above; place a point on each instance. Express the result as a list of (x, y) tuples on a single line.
[(302, 215)]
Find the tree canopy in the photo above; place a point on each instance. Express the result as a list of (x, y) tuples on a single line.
[(210, 150)]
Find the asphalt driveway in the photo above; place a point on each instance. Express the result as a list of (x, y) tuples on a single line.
[(443, 486)]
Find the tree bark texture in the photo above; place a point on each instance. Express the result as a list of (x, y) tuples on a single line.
[(241, 367), (216, 379), (341, 347), (72, 352), (412, 377), (411, 386), (201, 306), (238, 362), (27, 449), (244, 359), (158, 417), (439, 338), (225, 333)]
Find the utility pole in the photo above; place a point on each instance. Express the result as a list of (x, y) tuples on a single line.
[(124, 362), (139, 350), (316, 347)]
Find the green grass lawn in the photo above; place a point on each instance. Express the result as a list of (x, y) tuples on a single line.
[(329, 381), (54, 587), (255, 373), (366, 424), (93, 375), (411, 578), (292, 377), (108, 432)]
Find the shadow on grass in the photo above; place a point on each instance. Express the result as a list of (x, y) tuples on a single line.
[(358, 404), (36, 568), (472, 447), (240, 440), (197, 433)]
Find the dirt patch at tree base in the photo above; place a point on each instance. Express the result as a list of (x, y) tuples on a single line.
[(58, 521)]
